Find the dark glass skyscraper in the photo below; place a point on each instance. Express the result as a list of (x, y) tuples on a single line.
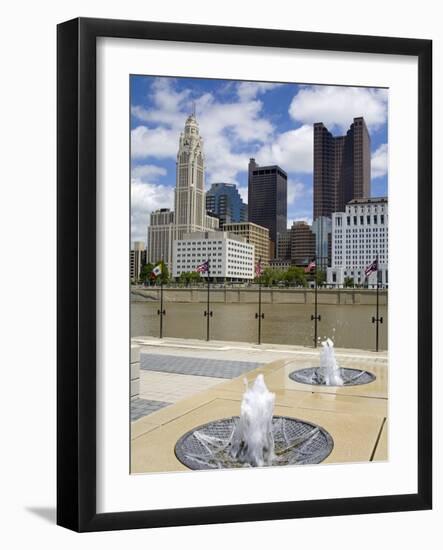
[(224, 200), (267, 197), (342, 167)]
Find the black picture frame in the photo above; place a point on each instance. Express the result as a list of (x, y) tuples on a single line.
[(76, 260)]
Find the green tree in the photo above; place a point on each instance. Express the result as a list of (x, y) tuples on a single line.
[(184, 278), (295, 275), (321, 277), (145, 273), (349, 282), (272, 276), (188, 277), (164, 276)]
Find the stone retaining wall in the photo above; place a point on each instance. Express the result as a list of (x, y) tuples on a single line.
[(269, 296)]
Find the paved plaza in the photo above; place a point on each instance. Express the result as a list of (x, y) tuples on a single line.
[(185, 383)]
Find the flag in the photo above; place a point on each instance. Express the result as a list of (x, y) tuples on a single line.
[(311, 265), (258, 269), (371, 268), (203, 268), (157, 270)]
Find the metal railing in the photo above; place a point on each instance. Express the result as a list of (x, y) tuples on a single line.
[(259, 315)]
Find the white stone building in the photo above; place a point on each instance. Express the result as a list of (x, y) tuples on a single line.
[(230, 256), (359, 236)]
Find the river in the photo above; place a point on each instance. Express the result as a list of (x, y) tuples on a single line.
[(349, 326)]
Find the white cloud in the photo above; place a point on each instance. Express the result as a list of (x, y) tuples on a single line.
[(336, 106), (297, 190), (243, 190), (236, 129), (250, 90), (146, 197), (147, 172), (225, 127), (379, 162), (292, 150), (165, 96), (159, 142)]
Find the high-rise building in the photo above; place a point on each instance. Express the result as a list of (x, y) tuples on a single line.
[(302, 243), (190, 204), (224, 200), (283, 245), (322, 228), (189, 199), (230, 256), (253, 234), (360, 236), (267, 197), (342, 167), (137, 260), (160, 236)]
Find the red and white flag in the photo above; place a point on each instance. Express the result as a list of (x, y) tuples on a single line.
[(259, 269), (311, 265), (203, 268), (371, 268)]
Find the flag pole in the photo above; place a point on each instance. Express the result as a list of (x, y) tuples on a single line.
[(208, 305), (259, 310), (377, 311), (315, 317), (377, 319), (161, 311), (161, 306)]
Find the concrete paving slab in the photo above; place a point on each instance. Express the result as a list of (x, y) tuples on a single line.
[(171, 387), (338, 403)]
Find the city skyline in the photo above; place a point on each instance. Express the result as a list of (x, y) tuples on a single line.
[(238, 120)]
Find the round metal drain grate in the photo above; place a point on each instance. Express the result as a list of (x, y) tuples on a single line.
[(296, 442), (350, 377)]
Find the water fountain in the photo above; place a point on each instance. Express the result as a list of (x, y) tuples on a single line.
[(255, 438), (329, 373)]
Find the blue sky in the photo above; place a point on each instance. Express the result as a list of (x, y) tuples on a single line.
[(238, 120)]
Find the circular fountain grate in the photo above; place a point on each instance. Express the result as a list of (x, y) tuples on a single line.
[(350, 377), (296, 442)]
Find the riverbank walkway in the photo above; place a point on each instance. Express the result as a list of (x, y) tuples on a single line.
[(186, 383)]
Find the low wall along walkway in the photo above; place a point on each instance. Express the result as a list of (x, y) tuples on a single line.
[(269, 295)]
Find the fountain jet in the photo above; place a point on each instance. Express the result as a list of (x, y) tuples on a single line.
[(329, 372), (253, 439)]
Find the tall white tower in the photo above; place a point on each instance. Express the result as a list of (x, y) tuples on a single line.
[(189, 213), (190, 209)]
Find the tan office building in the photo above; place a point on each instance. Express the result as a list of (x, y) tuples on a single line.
[(254, 234), (137, 260)]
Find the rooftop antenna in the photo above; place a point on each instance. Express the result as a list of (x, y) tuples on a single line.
[(193, 109)]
